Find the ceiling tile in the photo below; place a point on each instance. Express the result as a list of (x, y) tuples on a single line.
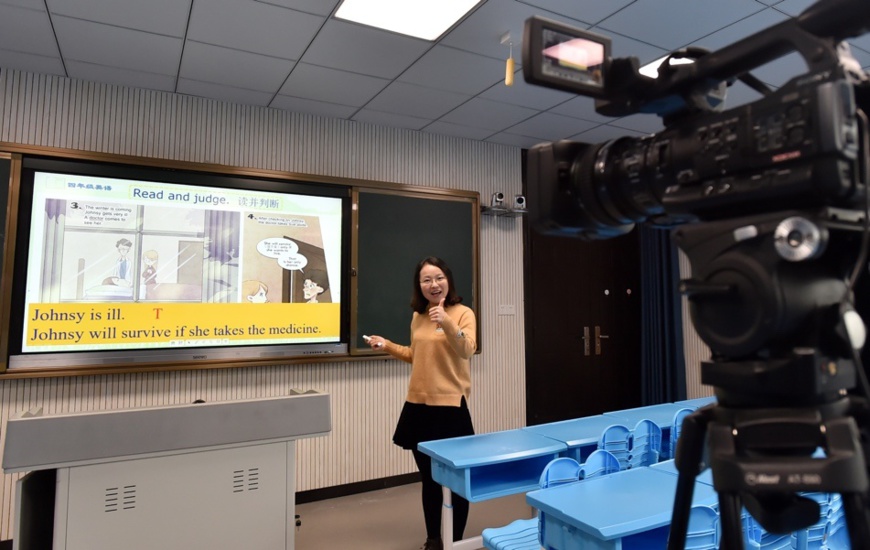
[(31, 63), (206, 63), (861, 56), (120, 77), (390, 119), (453, 70), (492, 115), (312, 107), (671, 24), (223, 93), (27, 31), (408, 99), (116, 47), (253, 27), (644, 123), (364, 50), (741, 29), (590, 11), (457, 130), (32, 4), (166, 17), (547, 126), (581, 107), (862, 42), (524, 142), (794, 7), (331, 85), (525, 94), (317, 7)]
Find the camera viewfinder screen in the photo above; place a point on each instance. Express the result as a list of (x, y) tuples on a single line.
[(572, 59)]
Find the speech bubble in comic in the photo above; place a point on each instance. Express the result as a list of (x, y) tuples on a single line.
[(293, 261), (276, 247)]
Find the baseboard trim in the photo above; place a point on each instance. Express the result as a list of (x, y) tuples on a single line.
[(314, 495)]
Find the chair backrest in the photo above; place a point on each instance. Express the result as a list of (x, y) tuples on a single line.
[(703, 530), (560, 471), (646, 444), (616, 439), (677, 427), (599, 463)]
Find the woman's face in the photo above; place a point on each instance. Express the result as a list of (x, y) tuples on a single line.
[(433, 283)]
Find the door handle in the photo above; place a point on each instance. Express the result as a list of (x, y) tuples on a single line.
[(598, 338), (587, 344)]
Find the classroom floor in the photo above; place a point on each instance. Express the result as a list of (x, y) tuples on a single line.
[(390, 519)]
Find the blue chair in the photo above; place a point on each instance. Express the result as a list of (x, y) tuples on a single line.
[(523, 534), (616, 439), (756, 538), (560, 471), (676, 428), (646, 444), (599, 463), (703, 530)]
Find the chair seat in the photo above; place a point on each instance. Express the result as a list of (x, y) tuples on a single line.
[(521, 534)]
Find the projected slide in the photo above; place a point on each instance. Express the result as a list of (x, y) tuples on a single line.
[(123, 264)]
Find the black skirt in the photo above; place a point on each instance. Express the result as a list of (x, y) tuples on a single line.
[(419, 423)]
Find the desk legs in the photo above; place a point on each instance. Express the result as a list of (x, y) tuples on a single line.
[(447, 526)]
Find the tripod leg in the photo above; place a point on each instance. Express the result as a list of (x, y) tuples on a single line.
[(688, 458), (856, 520), (732, 528)]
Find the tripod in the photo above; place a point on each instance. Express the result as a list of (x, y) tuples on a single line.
[(775, 309), (762, 457)]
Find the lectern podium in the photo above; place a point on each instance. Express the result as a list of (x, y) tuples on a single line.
[(210, 475)]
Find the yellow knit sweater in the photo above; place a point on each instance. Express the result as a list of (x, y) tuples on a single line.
[(440, 370)]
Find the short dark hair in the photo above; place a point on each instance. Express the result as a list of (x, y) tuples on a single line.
[(419, 303), (318, 277), (124, 242)]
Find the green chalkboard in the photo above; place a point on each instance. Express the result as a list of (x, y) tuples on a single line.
[(394, 232)]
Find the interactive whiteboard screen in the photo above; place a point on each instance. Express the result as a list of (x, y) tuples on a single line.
[(175, 271)]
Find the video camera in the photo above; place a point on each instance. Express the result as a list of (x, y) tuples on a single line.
[(798, 146), (769, 201)]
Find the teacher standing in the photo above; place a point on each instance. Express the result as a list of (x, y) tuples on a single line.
[(436, 407)]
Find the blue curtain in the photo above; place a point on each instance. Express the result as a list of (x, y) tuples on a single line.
[(663, 363)]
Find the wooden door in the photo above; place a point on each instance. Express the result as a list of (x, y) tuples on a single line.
[(582, 325)]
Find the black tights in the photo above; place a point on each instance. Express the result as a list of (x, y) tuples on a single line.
[(432, 502)]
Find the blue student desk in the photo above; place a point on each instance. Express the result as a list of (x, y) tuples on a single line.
[(580, 435), (485, 466), (670, 467), (626, 510)]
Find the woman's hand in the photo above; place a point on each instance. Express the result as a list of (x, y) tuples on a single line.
[(377, 342), (436, 313)]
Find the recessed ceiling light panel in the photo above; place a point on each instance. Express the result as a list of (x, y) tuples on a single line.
[(426, 19)]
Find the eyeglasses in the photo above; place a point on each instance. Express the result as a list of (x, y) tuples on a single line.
[(429, 282)]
